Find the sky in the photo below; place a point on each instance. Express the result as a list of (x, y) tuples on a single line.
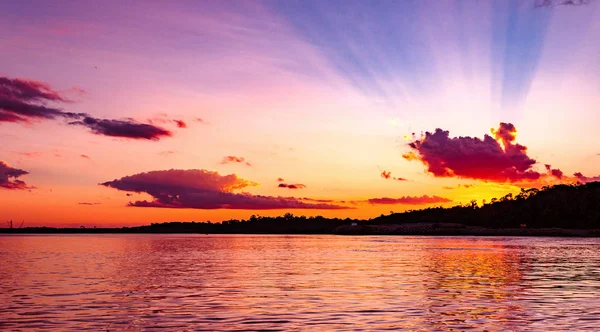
[(121, 113)]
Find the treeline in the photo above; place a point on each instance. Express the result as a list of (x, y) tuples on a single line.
[(286, 224), (562, 206)]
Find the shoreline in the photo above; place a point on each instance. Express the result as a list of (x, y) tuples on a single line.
[(446, 229), (406, 229)]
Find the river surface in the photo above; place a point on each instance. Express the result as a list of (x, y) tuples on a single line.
[(311, 283)]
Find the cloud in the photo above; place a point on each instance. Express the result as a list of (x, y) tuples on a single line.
[(24, 101), (412, 200), (164, 119), (388, 175), (9, 177), (292, 186), (28, 90), (582, 178), (199, 120), (180, 124), (85, 157), (234, 159), (123, 128), (88, 203), (496, 159), (280, 180), (20, 101), (202, 189)]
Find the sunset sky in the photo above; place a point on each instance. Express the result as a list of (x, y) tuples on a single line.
[(129, 112)]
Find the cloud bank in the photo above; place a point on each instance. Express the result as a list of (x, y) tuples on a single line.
[(202, 189)]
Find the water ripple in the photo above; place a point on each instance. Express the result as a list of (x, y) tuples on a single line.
[(282, 283)]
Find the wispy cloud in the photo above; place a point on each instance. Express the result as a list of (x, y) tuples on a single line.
[(235, 160)]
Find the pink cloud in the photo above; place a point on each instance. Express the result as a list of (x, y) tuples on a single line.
[(202, 189), (474, 158)]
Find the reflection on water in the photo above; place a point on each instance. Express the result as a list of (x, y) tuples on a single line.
[(206, 282)]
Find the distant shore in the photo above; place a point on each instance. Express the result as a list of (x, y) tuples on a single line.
[(425, 229), (450, 229)]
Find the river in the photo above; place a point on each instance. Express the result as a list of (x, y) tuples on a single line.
[(313, 283)]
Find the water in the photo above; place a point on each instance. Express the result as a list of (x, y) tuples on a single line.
[(314, 283)]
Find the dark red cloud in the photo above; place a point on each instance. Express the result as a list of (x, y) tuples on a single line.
[(557, 173), (474, 158), (202, 189), (234, 159), (292, 186), (412, 200), (180, 124), (25, 101), (584, 179), (9, 177)]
